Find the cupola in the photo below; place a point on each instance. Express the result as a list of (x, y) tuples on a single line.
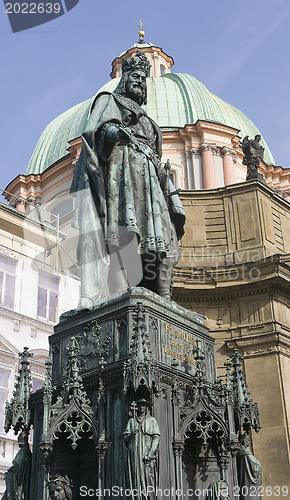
[(160, 62)]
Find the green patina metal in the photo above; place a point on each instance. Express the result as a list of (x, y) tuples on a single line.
[(161, 356), (139, 46), (174, 100), (17, 411)]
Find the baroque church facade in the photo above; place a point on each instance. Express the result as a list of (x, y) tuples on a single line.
[(234, 265)]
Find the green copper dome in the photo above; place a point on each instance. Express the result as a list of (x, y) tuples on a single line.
[(174, 100)]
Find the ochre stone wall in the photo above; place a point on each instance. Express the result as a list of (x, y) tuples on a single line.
[(235, 269)]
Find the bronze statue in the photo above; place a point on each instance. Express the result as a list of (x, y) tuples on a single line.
[(218, 490), (142, 440), (17, 478), (60, 488), (249, 470), (126, 204), (254, 153)]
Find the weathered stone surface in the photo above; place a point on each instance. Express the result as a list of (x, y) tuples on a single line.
[(172, 333), (137, 348)]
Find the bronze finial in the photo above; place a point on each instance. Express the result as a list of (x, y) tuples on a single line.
[(141, 33)]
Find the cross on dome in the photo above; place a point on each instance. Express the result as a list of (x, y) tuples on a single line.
[(141, 33)]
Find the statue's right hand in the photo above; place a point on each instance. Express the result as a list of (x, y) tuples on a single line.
[(135, 430), (116, 134), (123, 136)]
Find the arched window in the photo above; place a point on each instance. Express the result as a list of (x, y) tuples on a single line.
[(63, 208), (162, 69)]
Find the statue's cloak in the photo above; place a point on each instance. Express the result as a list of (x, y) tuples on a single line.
[(249, 474)]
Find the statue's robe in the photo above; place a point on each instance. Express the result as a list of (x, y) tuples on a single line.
[(121, 193), (249, 474), (141, 475), (17, 478)]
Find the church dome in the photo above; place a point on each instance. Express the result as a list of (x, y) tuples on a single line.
[(174, 100)]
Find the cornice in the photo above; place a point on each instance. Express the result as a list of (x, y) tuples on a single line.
[(17, 216), (171, 135), (34, 184), (217, 127), (8, 357), (19, 224), (219, 296), (271, 273), (13, 315), (235, 189), (275, 169), (22, 181), (261, 344), (248, 330)]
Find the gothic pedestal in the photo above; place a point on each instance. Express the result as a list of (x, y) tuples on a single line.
[(136, 346)]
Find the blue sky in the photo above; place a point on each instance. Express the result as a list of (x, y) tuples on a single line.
[(239, 50)]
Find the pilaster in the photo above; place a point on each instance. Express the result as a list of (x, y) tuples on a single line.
[(189, 170), (229, 159), (209, 177)]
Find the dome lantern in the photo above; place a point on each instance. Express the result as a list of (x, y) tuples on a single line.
[(160, 62)]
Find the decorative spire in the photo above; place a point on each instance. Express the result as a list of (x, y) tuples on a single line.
[(246, 411), (199, 358), (141, 33), (140, 368), (72, 414), (17, 413), (47, 395)]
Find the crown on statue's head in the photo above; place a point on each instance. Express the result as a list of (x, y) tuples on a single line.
[(65, 482), (61, 480), (137, 62)]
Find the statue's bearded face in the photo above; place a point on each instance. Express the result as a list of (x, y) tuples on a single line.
[(136, 87)]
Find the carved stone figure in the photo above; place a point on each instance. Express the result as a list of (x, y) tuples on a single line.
[(60, 488), (17, 478), (141, 437), (126, 206), (249, 470), (218, 490), (254, 153)]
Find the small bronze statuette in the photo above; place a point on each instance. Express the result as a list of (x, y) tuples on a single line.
[(141, 437), (249, 470), (254, 153)]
